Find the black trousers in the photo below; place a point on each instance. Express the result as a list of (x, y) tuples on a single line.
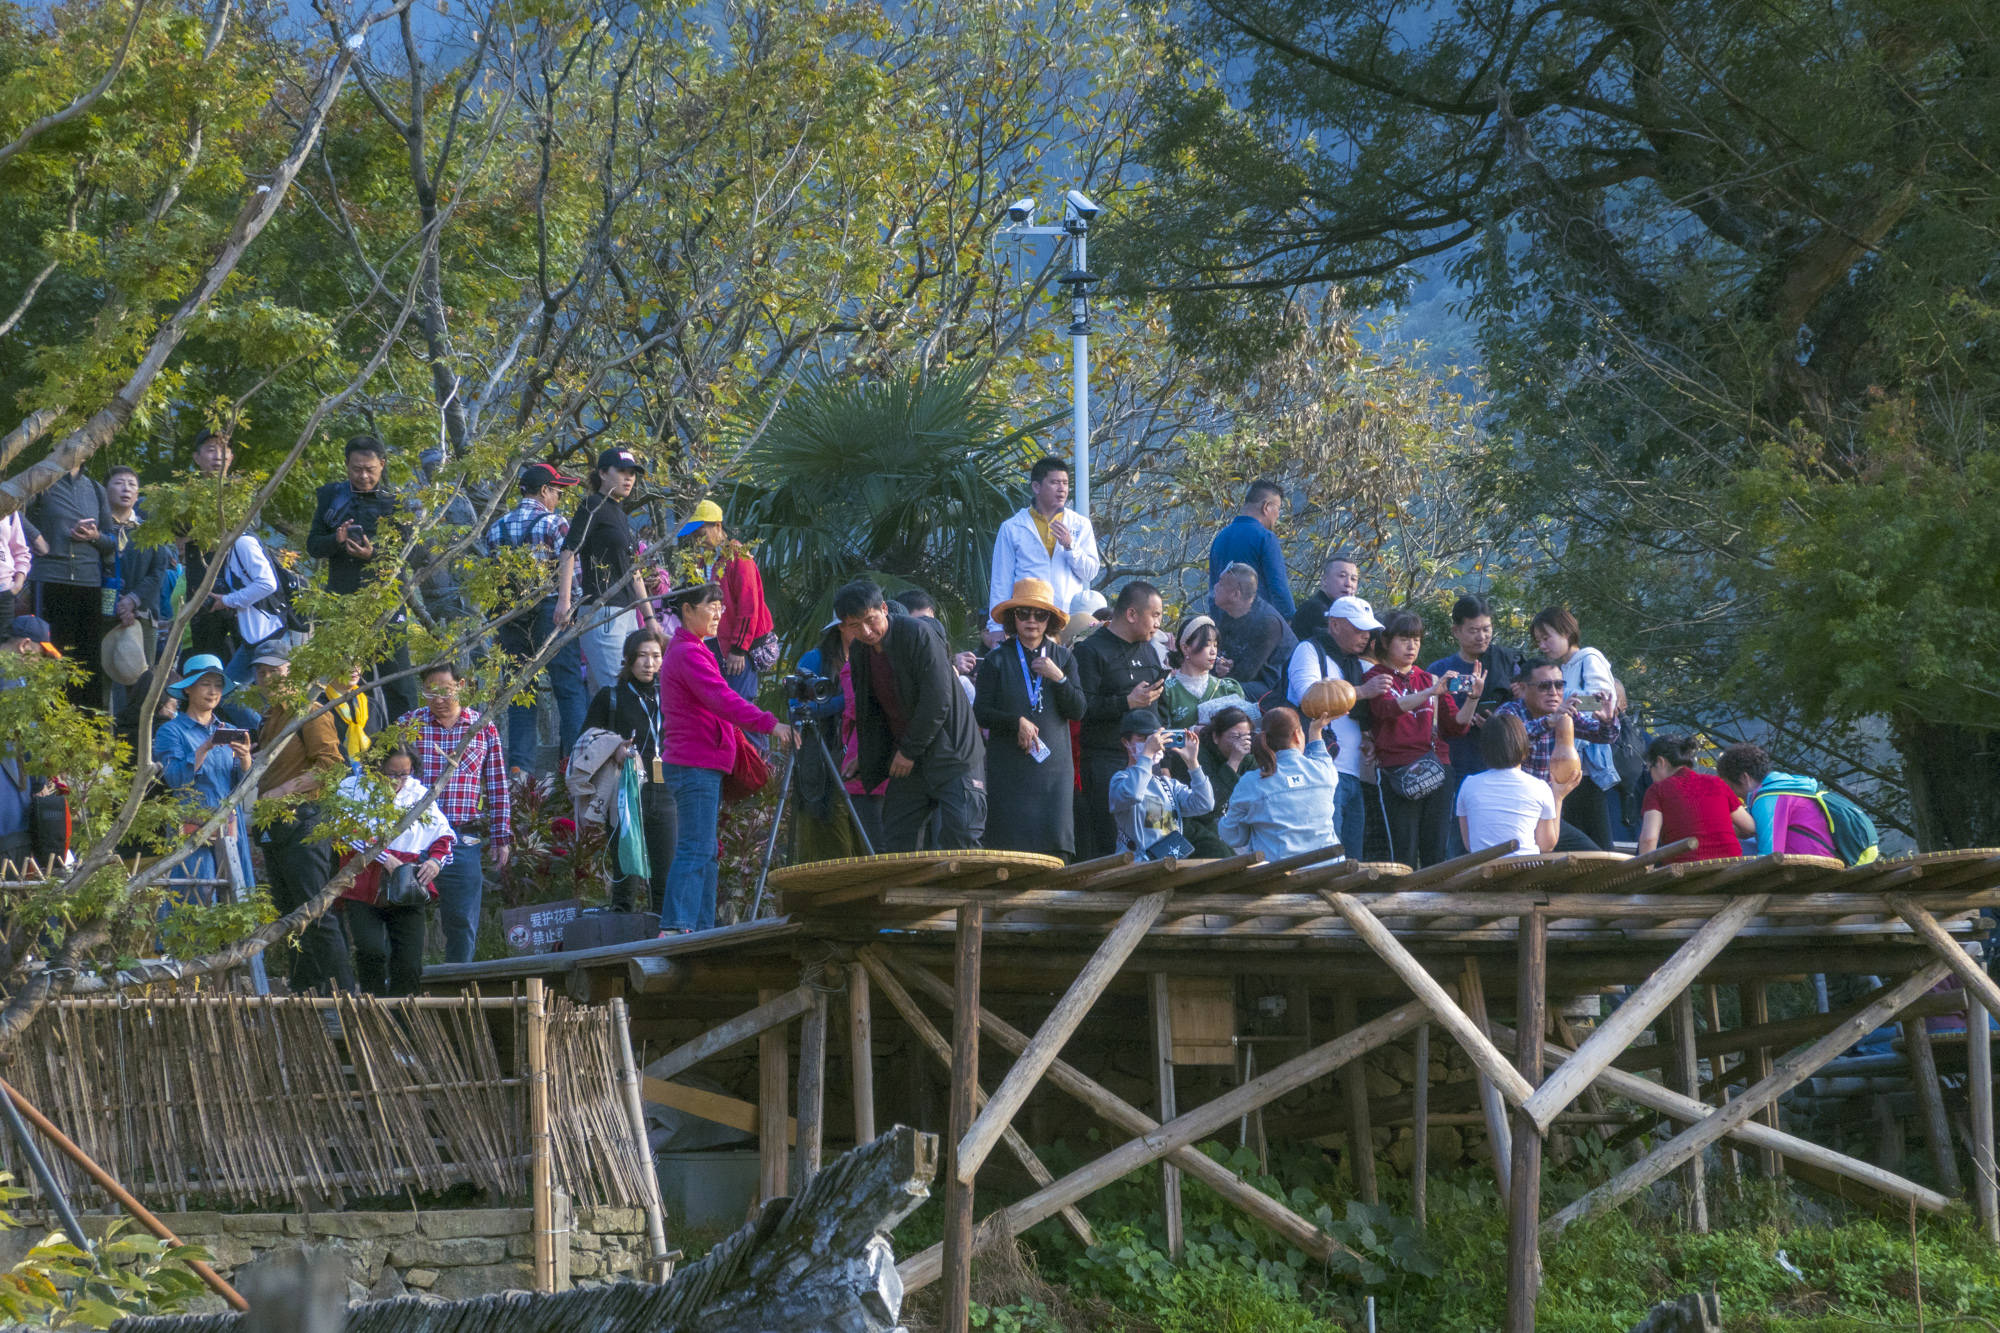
[(401, 695), (1096, 830), (388, 946), (299, 869), (1415, 829), (77, 624), (1584, 809), (661, 819), (957, 800)]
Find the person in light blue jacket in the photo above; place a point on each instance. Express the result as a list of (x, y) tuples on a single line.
[(1287, 806), (1146, 803)]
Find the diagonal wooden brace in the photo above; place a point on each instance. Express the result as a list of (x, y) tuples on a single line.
[(1182, 1131), (1486, 1057), (926, 1032), (741, 1028), (1640, 1008), (1791, 1071), (1197, 1165), (1952, 951), (1056, 1030)]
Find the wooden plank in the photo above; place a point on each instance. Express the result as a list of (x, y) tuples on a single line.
[(1969, 973), (1183, 1131), (635, 1115), (780, 1009), (956, 1247), (1524, 1204), (1791, 1071), (1757, 1011), (1930, 1099), (1354, 1088), (1979, 1091), (812, 1092), (1639, 1010), (723, 1110), (1202, 1013), (927, 1034), (1420, 1127), (1687, 1079), (1719, 1070), (541, 1145), (773, 1105), (861, 1052), (1273, 1213), (1061, 1024), (1163, 1075), (1450, 1017), (1499, 1140)]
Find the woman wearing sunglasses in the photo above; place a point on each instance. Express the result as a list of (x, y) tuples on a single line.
[(1025, 694)]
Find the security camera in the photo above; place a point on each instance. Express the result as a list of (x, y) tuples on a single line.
[(1021, 212), (1079, 204)]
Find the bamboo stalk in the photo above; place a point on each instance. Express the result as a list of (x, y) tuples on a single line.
[(541, 1142)]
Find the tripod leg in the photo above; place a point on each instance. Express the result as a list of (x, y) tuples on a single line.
[(771, 843), (846, 796)]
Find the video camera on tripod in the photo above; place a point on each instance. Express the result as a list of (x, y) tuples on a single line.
[(803, 690)]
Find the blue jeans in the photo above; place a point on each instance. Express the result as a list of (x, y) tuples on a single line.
[(1350, 816), (603, 644), (691, 884), (1454, 845), (459, 886), (565, 682)]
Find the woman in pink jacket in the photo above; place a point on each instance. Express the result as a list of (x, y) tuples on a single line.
[(700, 716)]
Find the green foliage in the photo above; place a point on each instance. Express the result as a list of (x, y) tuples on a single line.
[(57, 1285)]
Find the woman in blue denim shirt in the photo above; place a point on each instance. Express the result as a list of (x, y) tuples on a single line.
[(191, 761)]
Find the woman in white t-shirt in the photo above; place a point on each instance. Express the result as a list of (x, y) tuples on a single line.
[(1506, 805)]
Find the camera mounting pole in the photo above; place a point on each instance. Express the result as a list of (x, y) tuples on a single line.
[(1078, 213)]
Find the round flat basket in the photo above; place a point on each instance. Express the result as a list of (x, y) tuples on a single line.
[(822, 876)]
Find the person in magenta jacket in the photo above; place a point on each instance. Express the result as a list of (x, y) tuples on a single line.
[(700, 716)]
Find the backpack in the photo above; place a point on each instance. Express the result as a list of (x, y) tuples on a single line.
[(279, 603), (1854, 833)]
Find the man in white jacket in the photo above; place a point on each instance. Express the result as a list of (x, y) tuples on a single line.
[(1047, 541)]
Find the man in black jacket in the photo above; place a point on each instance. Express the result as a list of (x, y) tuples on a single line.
[(347, 518), (1119, 668), (913, 722), (1339, 577)]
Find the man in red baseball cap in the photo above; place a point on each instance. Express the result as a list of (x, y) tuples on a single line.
[(534, 525)]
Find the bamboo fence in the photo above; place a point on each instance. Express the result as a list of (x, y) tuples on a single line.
[(241, 1101)]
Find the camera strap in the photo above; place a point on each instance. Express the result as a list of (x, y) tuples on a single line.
[(1033, 682)]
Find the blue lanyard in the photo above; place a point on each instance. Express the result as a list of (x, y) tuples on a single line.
[(1033, 682)]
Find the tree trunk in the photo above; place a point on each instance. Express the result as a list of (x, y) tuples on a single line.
[(1954, 778)]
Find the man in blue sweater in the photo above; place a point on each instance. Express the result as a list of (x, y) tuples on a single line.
[(1250, 539)]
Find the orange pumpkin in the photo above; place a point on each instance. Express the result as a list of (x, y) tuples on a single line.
[(1565, 765), (1327, 698)]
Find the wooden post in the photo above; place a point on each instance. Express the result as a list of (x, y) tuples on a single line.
[(812, 1092), (541, 1143), (1979, 1090), (1472, 994), (957, 1314), (635, 1111), (1354, 1086), (1420, 1127), (1930, 1097), (1524, 1203), (774, 1105), (1687, 1081), (861, 1052), (1757, 1013), (1163, 1066), (1718, 1066)]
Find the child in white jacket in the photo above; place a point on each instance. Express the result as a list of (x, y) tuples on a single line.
[(1147, 803)]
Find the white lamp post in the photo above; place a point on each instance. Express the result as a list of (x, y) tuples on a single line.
[(1078, 213)]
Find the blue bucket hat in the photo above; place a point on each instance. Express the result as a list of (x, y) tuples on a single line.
[(201, 664)]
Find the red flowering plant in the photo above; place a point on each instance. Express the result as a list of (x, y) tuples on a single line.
[(553, 857)]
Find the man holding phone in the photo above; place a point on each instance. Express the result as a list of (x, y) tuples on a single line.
[(347, 533), (1120, 669), (1472, 627)]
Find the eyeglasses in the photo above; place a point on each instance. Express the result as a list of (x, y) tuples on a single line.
[(1030, 613), (1545, 684)]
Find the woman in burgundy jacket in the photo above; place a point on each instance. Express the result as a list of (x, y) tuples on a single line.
[(700, 718), (1409, 724)]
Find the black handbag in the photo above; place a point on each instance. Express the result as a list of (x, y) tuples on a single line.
[(1415, 781), (399, 887)]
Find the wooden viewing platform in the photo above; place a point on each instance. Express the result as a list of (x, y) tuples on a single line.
[(1385, 953)]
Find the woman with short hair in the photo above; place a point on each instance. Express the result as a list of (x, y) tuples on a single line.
[(630, 707), (1685, 802), (1503, 804), (1587, 672)]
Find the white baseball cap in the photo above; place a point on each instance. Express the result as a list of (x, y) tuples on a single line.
[(1355, 611)]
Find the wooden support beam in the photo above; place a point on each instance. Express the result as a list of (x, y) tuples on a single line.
[(1183, 1131), (861, 1053), (1757, 1014), (1197, 1165), (1979, 1092), (1963, 966), (774, 1058), (1640, 1008), (812, 1092), (1163, 1074), (1687, 1080), (779, 1009), (1354, 1089), (1791, 1071), (1420, 1126), (1488, 1060), (1524, 1205), (1499, 1139), (1060, 1026), (1930, 1098), (934, 1041), (541, 1141), (956, 1248), (731, 1111), (1719, 1072)]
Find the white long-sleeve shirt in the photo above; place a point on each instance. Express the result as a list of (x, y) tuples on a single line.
[(1018, 554), (15, 556), (252, 579)]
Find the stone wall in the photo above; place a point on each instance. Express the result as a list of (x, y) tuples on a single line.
[(450, 1253)]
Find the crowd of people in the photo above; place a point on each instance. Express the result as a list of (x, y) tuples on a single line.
[(1080, 726)]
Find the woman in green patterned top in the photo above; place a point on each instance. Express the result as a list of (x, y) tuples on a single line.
[(1193, 681)]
